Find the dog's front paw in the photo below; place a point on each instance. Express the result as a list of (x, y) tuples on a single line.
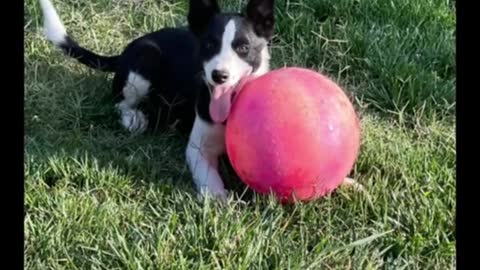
[(352, 183), (212, 187), (218, 193)]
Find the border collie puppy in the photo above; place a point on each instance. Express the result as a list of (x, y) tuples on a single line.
[(181, 75), (184, 76)]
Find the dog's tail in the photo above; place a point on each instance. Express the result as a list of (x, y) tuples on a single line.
[(55, 32)]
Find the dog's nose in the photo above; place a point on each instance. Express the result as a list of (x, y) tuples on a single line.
[(219, 76)]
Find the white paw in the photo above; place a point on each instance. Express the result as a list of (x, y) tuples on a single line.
[(133, 120), (349, 182), (219, 194), (212, 187)]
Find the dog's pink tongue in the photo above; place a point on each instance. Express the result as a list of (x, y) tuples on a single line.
[(220, 104)]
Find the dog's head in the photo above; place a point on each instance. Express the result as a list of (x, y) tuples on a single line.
[(233, 46)]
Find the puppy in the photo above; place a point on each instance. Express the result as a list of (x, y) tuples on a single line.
[(186, 76)]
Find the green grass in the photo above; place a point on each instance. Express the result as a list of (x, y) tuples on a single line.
[(98, 198)]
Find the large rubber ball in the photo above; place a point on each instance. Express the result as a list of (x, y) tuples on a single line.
[(292, 132)]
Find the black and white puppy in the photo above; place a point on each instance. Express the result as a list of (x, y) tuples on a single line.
[(187, 75)]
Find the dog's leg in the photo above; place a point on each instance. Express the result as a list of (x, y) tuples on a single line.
[(350, 182), (135, 89), (206, 144)]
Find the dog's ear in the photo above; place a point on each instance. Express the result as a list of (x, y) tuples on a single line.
[(262, 14), (200, 13)]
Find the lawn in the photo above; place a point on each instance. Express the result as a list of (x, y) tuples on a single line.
[(98, 198)]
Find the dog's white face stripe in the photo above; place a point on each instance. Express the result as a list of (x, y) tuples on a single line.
[(265, 64), (227, 59)]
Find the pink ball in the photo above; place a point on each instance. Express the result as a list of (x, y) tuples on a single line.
[(292, 132)]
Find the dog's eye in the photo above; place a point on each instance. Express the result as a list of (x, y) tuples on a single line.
[(243, 49)]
